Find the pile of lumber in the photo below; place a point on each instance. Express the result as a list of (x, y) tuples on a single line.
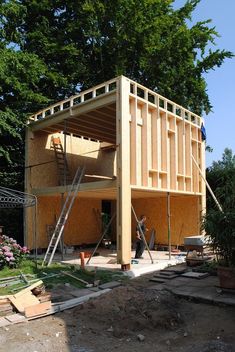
[(31, 302)]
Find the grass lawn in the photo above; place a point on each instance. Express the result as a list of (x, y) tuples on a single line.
[(29, 267)]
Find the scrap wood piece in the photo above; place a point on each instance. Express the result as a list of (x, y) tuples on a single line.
[(23, 301), (7, 307), (75, 277), (28, 289), (37, 309), (76, 301), (4, 301), (4, 322), (15, 318), (4, 297)]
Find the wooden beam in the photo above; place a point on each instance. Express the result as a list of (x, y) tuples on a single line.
[(91, 134), (110, 122), (98, 125), (88, 186), (82, 108)]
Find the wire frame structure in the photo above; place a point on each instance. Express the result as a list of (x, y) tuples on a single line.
[(10, 198)]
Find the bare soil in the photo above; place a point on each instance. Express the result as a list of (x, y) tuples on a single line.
[(134, 317)]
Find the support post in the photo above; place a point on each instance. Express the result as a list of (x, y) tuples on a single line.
[(62, 236), (123, 175), (169, 223), (65, 151)]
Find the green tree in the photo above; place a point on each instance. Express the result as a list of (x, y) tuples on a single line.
[(221, 178), (220, 226), (86, 42), (50, 49), (19, 75)]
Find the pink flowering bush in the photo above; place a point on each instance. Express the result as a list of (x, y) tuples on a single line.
[(11, 253)]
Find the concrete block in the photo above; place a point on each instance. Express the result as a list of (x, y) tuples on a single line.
[(194, 275)]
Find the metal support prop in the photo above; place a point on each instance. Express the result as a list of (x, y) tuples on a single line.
[(207, 184), (142, 234), (169, 223), (62, 235), (101, 238), (65, 151)]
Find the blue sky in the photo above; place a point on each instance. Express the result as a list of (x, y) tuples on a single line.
[(220, 124)]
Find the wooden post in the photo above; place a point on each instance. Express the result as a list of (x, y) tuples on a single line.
[(123, 175), (169, 223)]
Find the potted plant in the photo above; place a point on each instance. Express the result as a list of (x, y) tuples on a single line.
[(220, 225)]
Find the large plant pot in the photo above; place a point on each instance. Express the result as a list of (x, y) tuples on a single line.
[(226, 277)]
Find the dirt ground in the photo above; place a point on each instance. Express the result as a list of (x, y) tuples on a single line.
[(130, 318)]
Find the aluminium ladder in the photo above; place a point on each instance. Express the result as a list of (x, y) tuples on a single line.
[(56, 236)]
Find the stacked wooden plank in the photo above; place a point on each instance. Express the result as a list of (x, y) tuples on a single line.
[(31, 302)]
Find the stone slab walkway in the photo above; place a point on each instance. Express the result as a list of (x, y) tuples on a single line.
[(206, 289)]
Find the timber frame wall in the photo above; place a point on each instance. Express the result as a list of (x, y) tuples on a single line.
[(154, 139)]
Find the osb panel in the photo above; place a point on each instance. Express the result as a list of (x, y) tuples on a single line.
[(79, 151), (81, 226), (39, 152), (87, 153), (184, 218)]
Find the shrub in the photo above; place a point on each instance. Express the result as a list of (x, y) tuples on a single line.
[(11, 253)]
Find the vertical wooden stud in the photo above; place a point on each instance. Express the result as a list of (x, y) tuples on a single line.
[(144, 144), (133, 136), (123, 174)]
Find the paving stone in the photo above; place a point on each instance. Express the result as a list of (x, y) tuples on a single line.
[(110, 285), (176, 270), (167, 277), (159, 280), (194, 275)]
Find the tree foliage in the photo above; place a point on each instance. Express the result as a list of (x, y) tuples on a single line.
[(220, 226), (19, 75), (221, 178), (87, 42), (50, 49)]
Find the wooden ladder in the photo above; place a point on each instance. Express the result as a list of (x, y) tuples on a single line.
[(61, 160), (59, 228)]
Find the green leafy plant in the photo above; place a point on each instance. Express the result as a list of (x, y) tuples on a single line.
[(220, 225)]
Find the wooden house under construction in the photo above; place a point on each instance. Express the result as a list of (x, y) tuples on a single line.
[(136, 147)]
